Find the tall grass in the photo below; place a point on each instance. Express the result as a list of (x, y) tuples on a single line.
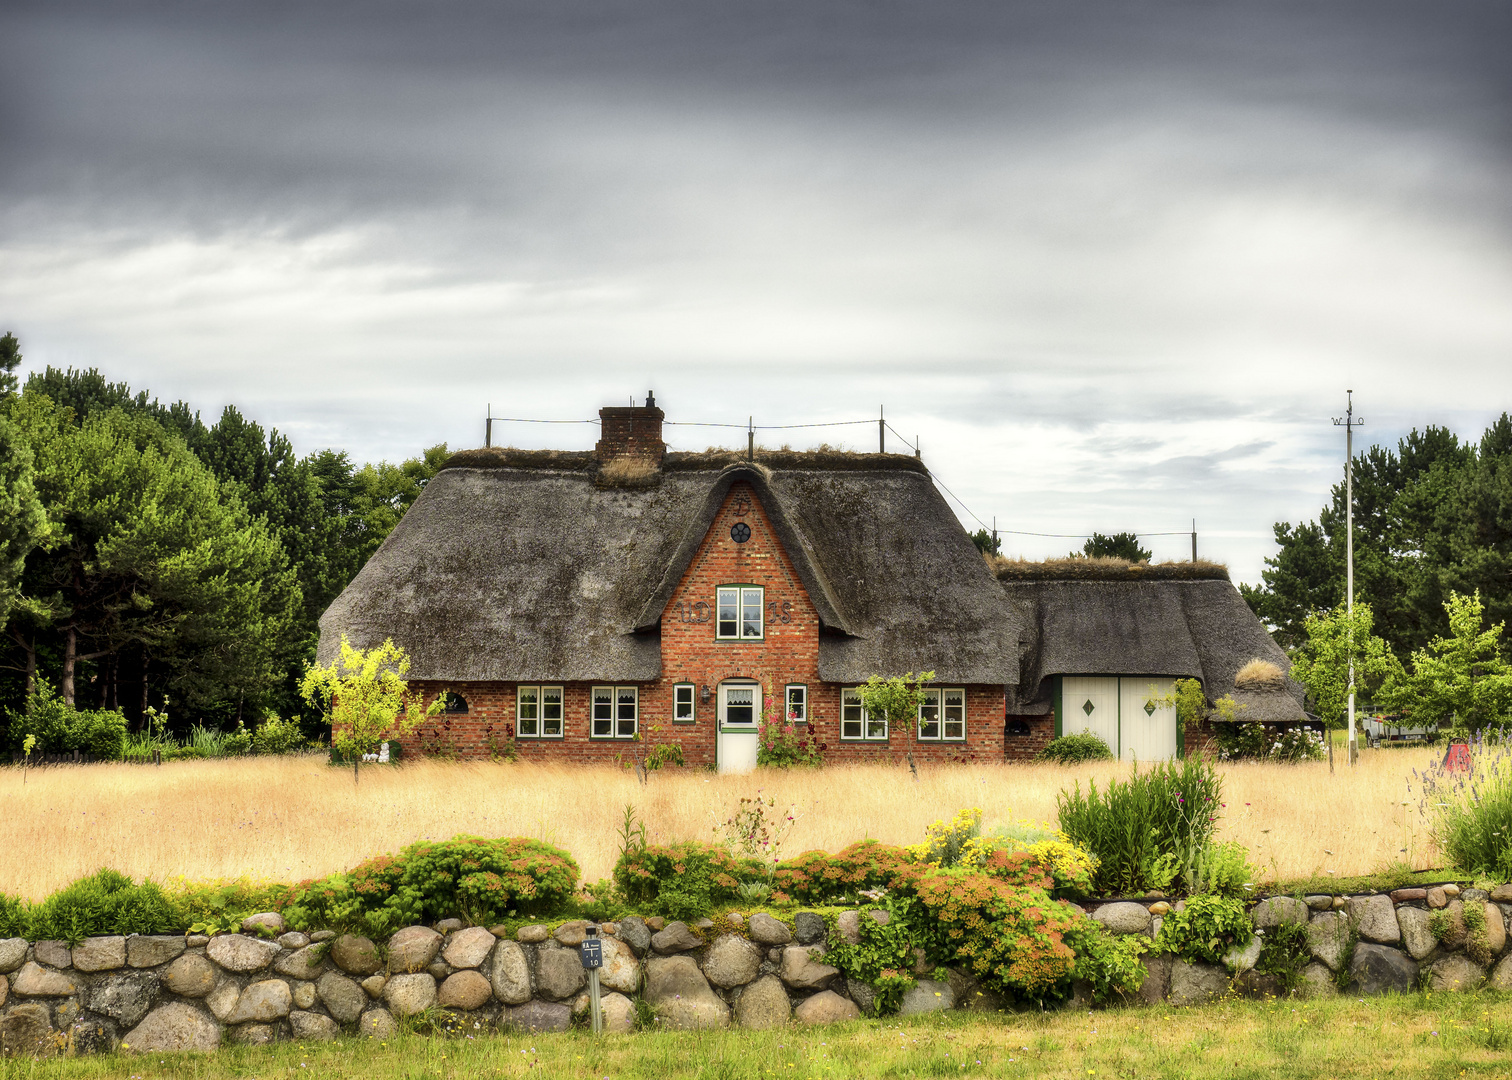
[(1472, 811), (291, 818)]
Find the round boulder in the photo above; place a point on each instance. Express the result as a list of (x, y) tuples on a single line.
[(731, 961), (826, 1007), (355, 955), (465, 990)]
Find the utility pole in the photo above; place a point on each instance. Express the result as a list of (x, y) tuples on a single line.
[(1348, 422), (881, 430), (488, 427), (1194, 539)]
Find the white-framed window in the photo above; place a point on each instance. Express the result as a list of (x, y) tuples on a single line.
[(942, 715), (739, 610), (538, 712), (797, 703), (683, 708), (615, 712), (855, 722)]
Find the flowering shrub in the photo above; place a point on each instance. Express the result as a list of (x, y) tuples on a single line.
[(1011, 937), (1042, 856), (946, 841), (816, 877), (1268, 742), (472, 876), (784, 744)]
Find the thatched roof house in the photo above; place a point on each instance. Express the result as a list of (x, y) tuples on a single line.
[(584, 604)]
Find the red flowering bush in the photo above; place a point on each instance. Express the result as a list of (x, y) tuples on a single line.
[(1012, 937), (817, 876)]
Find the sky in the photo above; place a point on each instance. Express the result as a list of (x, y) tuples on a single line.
[(1112, 264)]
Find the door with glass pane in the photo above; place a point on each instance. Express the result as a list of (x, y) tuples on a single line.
[(1090, 704), (738, 736)]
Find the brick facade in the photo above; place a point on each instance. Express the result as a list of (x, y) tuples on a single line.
[(788, 653), (1025, 736)]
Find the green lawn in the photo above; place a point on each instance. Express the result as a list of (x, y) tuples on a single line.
[(1443, 1035)]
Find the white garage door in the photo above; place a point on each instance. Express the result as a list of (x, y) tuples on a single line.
[(1147, 727), (1090, 704)]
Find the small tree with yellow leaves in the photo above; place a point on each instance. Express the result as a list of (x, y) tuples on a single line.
[(366, 699)]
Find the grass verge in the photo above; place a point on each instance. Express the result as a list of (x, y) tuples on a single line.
[(1420, 1035)]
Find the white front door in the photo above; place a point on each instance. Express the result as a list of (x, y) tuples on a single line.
[(738, 737), (1091, 704)]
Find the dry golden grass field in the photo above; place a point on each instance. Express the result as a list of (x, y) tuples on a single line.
[(293, 818)]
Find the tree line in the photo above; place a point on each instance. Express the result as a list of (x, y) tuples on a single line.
[(1433, 582), (149, 560)]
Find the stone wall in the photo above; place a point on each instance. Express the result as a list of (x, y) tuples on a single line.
[(189, 992), (1376, 944)]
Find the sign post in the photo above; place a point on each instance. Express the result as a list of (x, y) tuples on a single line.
[(591, 954)]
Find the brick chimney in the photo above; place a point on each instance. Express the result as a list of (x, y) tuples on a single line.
[(631, 432)]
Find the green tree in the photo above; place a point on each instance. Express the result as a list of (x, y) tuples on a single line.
[(985, 542), (1408, 502), (1461, 678), (365, 698), (10, 360), (895, 698), (149, 556), (1124, 545), (23, 521), (1321, 662), (384, 492)]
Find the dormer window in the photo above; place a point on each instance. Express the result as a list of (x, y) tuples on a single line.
[(739, 612)]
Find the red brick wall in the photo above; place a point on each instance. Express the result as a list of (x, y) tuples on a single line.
[(789, 653), (1025, 747)]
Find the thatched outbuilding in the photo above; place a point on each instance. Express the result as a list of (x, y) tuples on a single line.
[(589, 605)]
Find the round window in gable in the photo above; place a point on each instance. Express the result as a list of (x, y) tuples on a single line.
[(740, 532), (455, 703)]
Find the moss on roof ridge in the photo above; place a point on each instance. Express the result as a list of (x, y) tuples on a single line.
[(1104, 569), (712, 460)]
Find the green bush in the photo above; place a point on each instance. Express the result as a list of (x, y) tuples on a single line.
[(1108, 962), (1206, 928), (682, 881), (1074, 749), (1146, 831), (1286, 952), (62, 729), (1223, 869), (107, 902), (208, 907), (480, 879), (884, 957), (1472, 813), (276, 736), (12, 916)]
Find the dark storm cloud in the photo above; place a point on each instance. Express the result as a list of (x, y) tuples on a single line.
[(1108, 261)]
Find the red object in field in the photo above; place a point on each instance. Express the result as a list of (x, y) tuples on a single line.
[(1458, 758)]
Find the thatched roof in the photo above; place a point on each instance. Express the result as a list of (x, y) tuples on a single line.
[(1199, 629), (521, 565)]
